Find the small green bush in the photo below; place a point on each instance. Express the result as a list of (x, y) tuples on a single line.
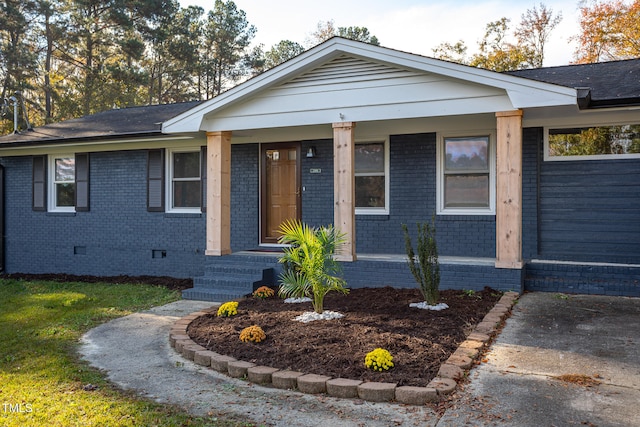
[(424, 267)]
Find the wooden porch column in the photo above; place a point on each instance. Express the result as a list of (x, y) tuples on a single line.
[(218, 193), (344, 187), (509, 190)]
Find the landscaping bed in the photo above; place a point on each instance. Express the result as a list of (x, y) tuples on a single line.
[(419, 340)]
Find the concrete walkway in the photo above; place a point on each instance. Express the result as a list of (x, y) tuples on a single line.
[(547, 336)]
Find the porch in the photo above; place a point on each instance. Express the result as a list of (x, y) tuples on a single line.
[(238, 274)]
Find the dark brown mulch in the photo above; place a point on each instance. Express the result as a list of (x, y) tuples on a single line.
[(419, 340), (164, 281)]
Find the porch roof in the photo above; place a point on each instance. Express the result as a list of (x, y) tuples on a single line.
[(344, 80)]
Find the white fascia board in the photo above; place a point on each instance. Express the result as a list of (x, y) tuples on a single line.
[(523, 98), (92, 146)]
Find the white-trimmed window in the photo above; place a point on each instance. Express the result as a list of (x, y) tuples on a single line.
[(184, 192), (592, 142), (466, 175), (372, 177), (62, 179)]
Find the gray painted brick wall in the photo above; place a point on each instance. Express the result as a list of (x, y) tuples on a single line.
[(452, 276), (317, 194), (245, 200), (117, 236), (618, 280), (531, 153), (412, 199)]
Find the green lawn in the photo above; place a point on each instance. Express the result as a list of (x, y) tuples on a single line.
[(44, 383)]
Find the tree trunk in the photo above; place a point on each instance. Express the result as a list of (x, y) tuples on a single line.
[(89, 78), (47, 68)]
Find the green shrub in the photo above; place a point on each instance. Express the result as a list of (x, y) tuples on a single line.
[(424, 266)]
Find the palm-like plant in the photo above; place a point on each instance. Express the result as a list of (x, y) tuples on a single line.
[(312, 269)]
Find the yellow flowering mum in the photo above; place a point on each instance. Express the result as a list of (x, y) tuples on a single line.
[(252, 333), (228, 309), (263, 292), (379, 360)]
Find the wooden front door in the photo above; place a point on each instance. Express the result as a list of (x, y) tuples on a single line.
[(280, 188)]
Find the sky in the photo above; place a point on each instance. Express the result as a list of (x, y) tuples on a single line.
[(409, 25)]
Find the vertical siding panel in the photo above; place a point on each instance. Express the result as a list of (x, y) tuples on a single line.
[(590, 210)]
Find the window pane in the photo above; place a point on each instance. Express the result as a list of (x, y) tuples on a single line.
[(469, 191), (370, 191), (186, 194), (467, 153), (186, 165), (601, 140), (369, 157), (65, 195), (65, 169)]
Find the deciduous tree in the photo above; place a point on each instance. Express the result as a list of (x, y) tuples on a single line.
[(327, 29), (453, 52), (609, 30), (501, 50), (534, 31), (497, 54)]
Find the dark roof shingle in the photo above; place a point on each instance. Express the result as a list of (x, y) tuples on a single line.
[(615, 83), (112, 123)]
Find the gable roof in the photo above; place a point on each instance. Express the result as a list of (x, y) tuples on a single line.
[(606, 84), (116, 123), (358, 81)]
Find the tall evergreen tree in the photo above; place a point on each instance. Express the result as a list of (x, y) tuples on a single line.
[(282, 52), (227, 35), (18, 56)]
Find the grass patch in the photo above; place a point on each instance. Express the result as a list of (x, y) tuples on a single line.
[(43, 382)]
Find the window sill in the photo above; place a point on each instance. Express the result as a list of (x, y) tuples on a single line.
[(183, 214), (371, 212), (489, 217), (372, 217), (54, 213)]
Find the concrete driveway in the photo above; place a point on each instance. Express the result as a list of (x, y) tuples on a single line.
[(551, 346)]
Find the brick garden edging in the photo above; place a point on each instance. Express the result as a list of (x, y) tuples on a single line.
[(445, 383)]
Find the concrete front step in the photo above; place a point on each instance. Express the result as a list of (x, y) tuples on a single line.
[(232, 269), (233, 276), (212, 295), (225, 282)]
